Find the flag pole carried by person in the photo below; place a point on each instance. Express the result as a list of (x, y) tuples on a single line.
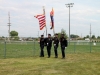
[(45, 18), (52, 20)]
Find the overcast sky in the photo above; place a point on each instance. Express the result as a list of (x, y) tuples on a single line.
[(22, 12)]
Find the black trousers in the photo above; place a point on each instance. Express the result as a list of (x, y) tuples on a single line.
[(55, 50), (63, 51), (42, 51), (49, 51)]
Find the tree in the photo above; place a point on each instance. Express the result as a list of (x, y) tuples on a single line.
[(64, 32), (16, 38), (13, 33), (93, 37), (74, 36), (87, 36), (98, 37), (59, 35)]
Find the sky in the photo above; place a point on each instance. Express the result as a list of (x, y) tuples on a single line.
[(22, 12)]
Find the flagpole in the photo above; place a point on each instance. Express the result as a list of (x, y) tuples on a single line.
[(45, 18), (53, 23), (53, 31)]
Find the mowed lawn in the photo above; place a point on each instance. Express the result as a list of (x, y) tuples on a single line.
[(23, 59), (73, 64)]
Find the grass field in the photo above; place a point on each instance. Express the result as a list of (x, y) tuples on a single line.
[(73, 64), (31, 49), (23, 59)]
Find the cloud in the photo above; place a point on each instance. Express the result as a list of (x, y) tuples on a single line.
[(22, 15)]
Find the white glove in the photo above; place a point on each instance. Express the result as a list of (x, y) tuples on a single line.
[(47, 43), (65, 47)]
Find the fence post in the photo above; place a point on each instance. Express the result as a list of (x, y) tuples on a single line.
[(5, 49), (34, 48)]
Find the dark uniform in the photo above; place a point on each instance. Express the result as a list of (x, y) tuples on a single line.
[(56, 43), (49, 45), (42, 46), (64, 44)]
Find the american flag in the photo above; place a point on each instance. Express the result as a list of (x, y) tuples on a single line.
[(52, 18), (42, 21)]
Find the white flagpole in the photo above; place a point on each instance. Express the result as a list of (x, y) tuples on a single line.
[(45, 18), (53, 23)]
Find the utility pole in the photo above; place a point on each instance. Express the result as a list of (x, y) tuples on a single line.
[(69, 5), (9, 26)]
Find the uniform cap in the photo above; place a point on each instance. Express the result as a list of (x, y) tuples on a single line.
[(56, 34), (49, 34), (42, 35)]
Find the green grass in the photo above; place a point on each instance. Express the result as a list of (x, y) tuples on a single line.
[(73, 64), (23, 59), (31, 49)]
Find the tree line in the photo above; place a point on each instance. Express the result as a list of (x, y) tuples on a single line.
[(14, 35)]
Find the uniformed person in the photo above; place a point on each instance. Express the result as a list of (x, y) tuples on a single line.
[(64, 44), (56, 43), (42, 46), (49, 45)]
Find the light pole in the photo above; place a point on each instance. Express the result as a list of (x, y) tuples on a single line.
[(69, 5)]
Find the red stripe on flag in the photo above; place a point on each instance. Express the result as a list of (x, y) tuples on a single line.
[(42, 21)]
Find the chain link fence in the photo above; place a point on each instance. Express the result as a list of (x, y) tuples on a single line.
[(17, 49)]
